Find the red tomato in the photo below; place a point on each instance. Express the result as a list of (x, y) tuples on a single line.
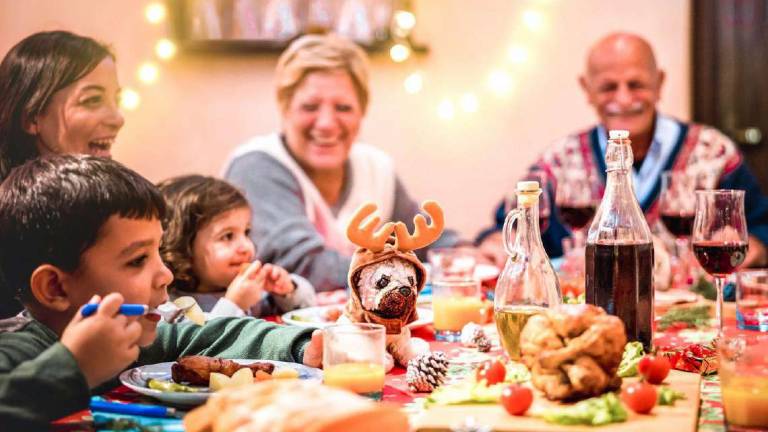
[(640, 397), (492, 371), (516, 399), (654, 368)]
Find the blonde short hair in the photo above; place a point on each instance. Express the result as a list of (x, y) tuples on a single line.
[(312, 53)]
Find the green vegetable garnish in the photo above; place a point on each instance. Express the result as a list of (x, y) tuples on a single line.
[(170, 386), (668, 396), (469, 391), (579, 299), (633, 352), (705, 288), (597, 411), (696, 316), (297, 317)]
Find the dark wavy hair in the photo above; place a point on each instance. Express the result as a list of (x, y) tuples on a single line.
[(52, 209), (32, 71), (193, 201)]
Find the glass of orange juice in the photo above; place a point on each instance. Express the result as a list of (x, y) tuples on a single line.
[(455, 302), (744, 379), (353, 358)]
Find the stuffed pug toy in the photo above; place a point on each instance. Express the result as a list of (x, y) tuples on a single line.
[(385, 276)]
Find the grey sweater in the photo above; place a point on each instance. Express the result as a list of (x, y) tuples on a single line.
[(283, 233)]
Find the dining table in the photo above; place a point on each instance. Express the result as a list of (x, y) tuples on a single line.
[(463, 361)]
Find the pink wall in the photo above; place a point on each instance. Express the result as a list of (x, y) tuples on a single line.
[(202, 107)]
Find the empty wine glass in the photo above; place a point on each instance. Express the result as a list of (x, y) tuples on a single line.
[(545, 207), (720, 237), (677, 206)]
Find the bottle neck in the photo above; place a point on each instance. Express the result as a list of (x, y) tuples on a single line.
[(528, 230)]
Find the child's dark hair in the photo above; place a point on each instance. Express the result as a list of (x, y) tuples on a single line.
[(193, 201), (52, 209)]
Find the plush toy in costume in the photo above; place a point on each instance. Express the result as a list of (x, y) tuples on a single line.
[(385, 276)]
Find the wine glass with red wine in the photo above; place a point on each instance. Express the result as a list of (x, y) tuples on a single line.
[(720, 236), (544, 204), (677, 207), (576, 202)]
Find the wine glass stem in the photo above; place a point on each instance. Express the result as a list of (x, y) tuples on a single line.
[(578, 238), (719, 282)]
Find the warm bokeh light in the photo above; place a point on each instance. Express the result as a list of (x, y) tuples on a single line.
[(469, 102), (446, 110), (517, 54), (500, 82), (413, 83), (148, 73), (533, 20), (155, 12), (129, 99), (405, 20), (399, 53), (165, 49)]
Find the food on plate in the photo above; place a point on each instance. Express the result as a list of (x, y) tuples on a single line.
[(292, 406), (633, 352), (469, 390), (332, 313), (594, 412), (640, 397), (220, 381), (285, 373), (196, 370), (573, 351), (491, 371), (170, 386), (516, 399), (654, 368)]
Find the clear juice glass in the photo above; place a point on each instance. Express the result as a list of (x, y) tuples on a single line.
[(744, 379), (353, 358)]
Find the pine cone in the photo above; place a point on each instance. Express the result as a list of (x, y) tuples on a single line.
[(426, 372), (473, 335)]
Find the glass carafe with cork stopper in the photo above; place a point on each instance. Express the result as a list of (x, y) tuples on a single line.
[(528, 284), (619, 254)]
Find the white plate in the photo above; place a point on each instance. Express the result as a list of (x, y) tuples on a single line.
[(136, 379), (315, 317)]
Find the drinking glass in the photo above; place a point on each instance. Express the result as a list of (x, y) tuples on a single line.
[(744, 379), (577, 202), (752, 300), (353, 357), (545, 206), (677, 206), (455, 303), (720, 237)]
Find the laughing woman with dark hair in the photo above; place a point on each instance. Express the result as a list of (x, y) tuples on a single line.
[(58, 95)]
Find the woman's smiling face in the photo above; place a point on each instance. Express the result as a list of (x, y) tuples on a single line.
[(82, 118)]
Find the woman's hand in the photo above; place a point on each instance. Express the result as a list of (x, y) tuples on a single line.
[(278, 280), (105, 343), (246, 288)]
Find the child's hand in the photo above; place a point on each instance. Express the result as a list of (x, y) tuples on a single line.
[(277, 281), (246, 288), (105, 343), (313, 355)]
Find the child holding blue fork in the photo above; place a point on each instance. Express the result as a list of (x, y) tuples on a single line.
[(76, 230)]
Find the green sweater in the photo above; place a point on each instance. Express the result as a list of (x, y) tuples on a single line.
[(40, 380)]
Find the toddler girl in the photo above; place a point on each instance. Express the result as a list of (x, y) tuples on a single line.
[(207, 246)]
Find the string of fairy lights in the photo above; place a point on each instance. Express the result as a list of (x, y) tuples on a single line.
[(499, 82)]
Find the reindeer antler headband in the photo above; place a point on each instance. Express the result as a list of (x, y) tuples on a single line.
[(424, 234)]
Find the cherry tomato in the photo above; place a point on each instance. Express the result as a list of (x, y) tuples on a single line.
[(640, 397), (492, 371), (516, 399), (654, 368)]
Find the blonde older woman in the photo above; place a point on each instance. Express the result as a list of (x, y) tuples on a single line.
[(305, 182)]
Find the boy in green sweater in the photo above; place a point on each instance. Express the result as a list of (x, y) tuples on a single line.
[(77, 230)]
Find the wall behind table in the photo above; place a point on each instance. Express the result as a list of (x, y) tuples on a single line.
[(203, 106)]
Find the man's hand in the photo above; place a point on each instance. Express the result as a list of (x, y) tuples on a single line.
[(105, 343), (313, 354), (757, 256)]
